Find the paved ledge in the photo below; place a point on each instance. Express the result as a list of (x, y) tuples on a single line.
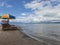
[(16, 37)]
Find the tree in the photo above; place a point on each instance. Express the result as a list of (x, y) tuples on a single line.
[(0, 17)]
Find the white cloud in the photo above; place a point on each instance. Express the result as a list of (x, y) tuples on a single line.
[(42, 11), (4, 4), (9, 6), (26, 19), (23, 14), (44, 8), (38, 5)]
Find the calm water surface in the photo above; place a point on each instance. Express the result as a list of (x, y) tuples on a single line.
[(47, 33)]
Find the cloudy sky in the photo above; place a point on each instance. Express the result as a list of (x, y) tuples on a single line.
[(31, 10)]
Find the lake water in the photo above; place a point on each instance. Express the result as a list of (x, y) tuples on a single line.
[(47, 33)]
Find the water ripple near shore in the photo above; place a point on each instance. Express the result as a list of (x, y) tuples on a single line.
[(49, 34)]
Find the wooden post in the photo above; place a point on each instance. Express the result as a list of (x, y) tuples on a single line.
[(7, 21)]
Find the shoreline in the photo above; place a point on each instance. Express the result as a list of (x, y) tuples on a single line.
[(17, 37), (44, 40)]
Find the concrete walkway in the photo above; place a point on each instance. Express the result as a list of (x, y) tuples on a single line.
[(16, 37)]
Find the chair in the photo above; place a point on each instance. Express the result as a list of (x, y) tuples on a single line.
[(5, 26)]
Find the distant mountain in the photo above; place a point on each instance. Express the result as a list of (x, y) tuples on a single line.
[(43, 22)]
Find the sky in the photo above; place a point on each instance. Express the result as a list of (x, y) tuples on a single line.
[(31, 10)]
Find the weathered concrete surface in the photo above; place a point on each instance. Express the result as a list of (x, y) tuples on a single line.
[(16, 37)]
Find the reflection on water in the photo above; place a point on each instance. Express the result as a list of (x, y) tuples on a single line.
[(50, 30), (48, 33)]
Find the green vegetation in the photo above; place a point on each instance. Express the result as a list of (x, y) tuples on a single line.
[(0, 17)]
